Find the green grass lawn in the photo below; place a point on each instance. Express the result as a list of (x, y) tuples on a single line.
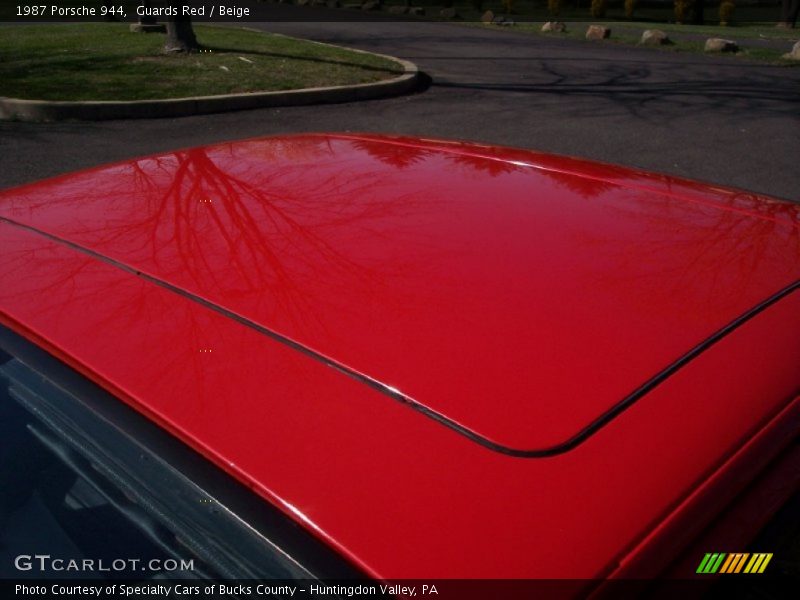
[(104, 61), (736, 30), (629, 33), (749, 22)]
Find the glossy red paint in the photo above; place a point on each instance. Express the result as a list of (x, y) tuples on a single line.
[(515, 295)]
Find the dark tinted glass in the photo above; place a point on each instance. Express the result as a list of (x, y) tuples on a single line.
[(83, 477)]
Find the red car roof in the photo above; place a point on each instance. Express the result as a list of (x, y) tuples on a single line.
[(548, 318)]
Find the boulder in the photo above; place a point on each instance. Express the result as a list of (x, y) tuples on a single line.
[(555, 26), (416, 11), (795, 53), (487, 17), (721, 45), (654, 37), (597, 32)]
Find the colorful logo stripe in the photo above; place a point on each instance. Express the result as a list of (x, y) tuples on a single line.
[(735, 562), (710, 562)]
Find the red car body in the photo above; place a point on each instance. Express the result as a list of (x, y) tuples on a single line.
[(446, 360)]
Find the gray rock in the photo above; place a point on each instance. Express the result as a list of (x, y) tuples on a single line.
[(597, 32), (416, 10), (654, 37), (721, 45), (795, 53), (555, 26)]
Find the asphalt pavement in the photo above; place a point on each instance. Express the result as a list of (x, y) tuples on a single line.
[(724, 120)]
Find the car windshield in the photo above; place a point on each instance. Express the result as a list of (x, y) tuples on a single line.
[(100, 504)]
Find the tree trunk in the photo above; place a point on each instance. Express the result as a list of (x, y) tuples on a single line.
[(789, 11), (180, 35)]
